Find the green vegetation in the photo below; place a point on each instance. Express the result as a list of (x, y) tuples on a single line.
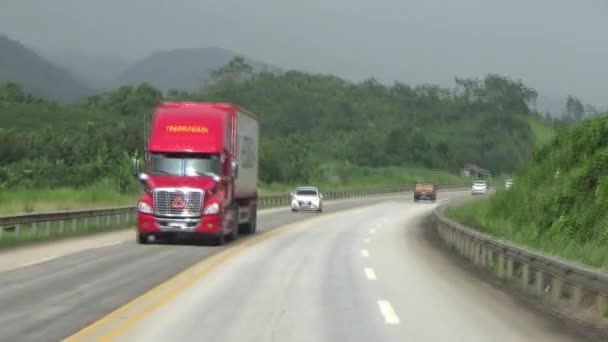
[(542, 132), (559, 203), (98, 195), (316, 129)]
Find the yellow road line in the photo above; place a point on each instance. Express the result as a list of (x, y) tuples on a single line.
[(119, 321)]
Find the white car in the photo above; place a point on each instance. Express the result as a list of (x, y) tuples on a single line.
[(508, 184), (306, 198), (479, 187)]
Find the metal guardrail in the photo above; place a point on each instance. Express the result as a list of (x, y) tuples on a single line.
[(39, 226), (572, 290)]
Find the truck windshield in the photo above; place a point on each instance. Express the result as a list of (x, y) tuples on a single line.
[(185, 164)]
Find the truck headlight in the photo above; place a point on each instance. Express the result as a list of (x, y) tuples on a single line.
[(212, 209), (144, 207)]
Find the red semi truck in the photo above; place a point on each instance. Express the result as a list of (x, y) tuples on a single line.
[(200, 172)]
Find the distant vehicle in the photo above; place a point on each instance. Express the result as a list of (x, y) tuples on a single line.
[(306, 198), (479, 188), (508, 184), (426, 191), (200, 172)]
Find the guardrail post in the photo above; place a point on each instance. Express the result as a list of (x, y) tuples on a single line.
[(488, 261), (500, 268), (556, 289), (461, 241), (472, 250), (577, 295), (48, 228), (600, 307), (538, 282), (509, 268), (484, 255), (477, 253), (34, 230), (73, 225), (86, 224), (525, 276)]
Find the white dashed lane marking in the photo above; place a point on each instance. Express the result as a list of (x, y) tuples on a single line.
[(370, 274), (387, 311)]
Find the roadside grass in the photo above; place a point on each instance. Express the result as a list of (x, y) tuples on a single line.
[(59, 199), (15, 201), (477, 215), (543, 133)]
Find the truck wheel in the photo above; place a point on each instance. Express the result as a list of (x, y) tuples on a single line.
[(253, 221), (142, 239), (220, 240), (234, 235), (251, 226)]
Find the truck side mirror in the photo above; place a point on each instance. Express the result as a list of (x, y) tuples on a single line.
[(142, 178), (136, 166), (235, 170), (320, 195)]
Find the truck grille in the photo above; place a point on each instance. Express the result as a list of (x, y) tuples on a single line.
[(178, 202)]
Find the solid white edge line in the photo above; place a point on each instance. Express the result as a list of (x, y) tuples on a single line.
[(364, 253), (366, 240), (372, 231), (111, 244), (386, 309), (38, 261), (370, 274)]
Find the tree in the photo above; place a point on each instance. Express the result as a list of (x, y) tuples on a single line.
[(12, 92), (235, 71), (591, 110), (575, 108), (506, 95)]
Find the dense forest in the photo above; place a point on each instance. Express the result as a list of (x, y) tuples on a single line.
[(313, 127)]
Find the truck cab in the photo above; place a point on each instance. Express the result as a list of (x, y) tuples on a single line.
[(199, 173)]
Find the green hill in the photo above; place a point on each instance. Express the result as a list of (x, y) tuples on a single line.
[(559, 203), (96, 71), (181, 69), (21, 65)]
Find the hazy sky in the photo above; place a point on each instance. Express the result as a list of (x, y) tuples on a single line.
[(556, 46)]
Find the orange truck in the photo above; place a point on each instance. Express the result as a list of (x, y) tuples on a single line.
[(426, 191)]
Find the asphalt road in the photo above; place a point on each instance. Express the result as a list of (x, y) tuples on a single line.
[(368, 274), (50, 300)]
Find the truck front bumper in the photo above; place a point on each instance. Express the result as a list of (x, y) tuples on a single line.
[(206, 225)]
